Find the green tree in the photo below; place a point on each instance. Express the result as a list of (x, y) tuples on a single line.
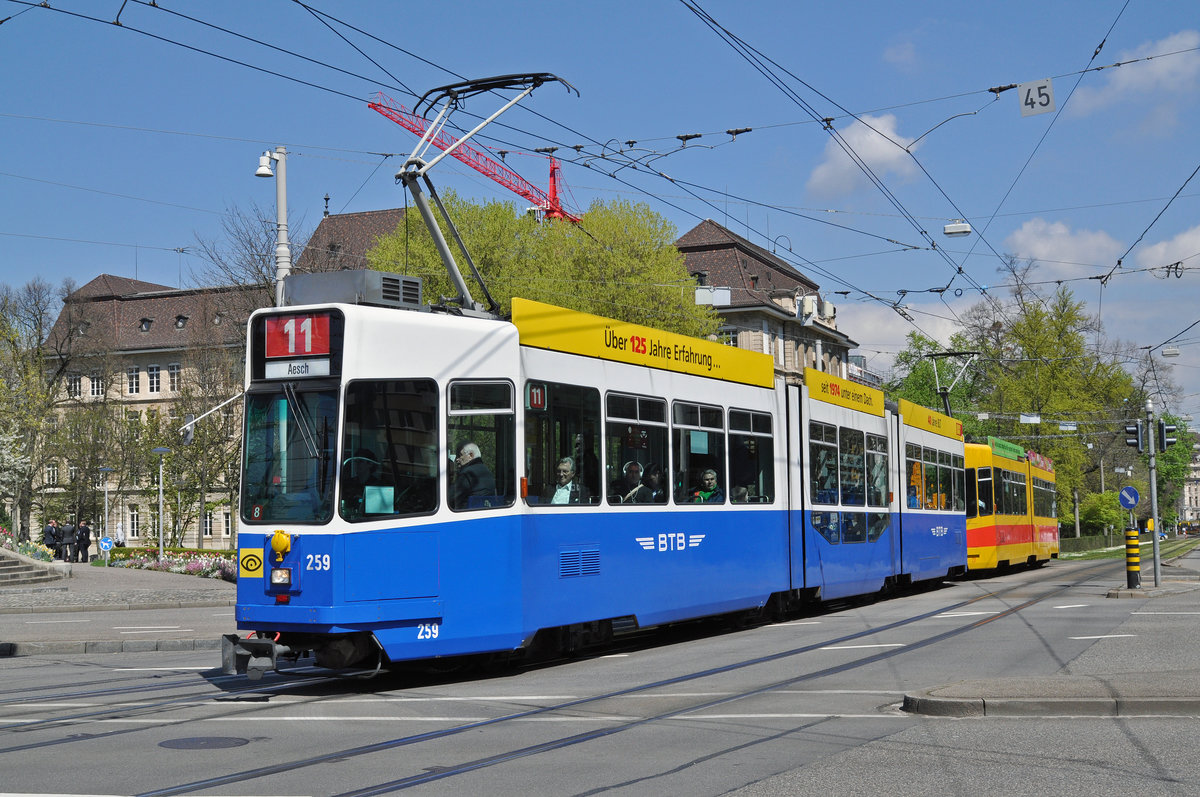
[(1101, 513), (1036, 356), (33, 364), (619, 261)]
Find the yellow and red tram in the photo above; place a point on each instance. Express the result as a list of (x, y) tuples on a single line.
[(1011, 506)]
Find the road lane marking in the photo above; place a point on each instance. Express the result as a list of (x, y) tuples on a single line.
[(964, 614), (1072, 606), (863, 647), (1103, 636)]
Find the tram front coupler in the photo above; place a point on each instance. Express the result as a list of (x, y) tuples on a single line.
[(250, 655)]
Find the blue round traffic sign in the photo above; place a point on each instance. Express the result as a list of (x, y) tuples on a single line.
[(1129, 497), (106, 543)]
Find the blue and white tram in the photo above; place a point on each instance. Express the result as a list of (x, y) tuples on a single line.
[(634, 478)]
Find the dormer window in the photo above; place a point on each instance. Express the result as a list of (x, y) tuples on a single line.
[(181, 321), (83, 327), (217, 319), (144, 324)]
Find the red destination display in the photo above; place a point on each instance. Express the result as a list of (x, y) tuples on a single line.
[(297, 336)]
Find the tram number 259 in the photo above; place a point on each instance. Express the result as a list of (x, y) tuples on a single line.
[(427, 631)]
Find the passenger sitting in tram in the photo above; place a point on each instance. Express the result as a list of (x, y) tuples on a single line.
[(709, 492), (474, 477), (653, 480), (630, 489), (568, 489)]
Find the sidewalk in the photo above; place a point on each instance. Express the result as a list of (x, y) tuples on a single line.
[(46, 618), (1163, 679)]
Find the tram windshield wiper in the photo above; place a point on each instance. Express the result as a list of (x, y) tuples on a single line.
[(302, 421)]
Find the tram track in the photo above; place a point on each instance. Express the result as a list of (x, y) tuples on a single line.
[(1086, 574)]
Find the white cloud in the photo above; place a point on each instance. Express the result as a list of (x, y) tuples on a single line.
[(1063, 253), (881, 333), (903, 54), (837, 175), (1175, 74), (1180, 248)]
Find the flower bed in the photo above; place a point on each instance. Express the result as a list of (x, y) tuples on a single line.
[(207, 564), (34, 550)]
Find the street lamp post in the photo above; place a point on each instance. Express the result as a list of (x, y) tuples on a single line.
[(283, 252), (160, 451)]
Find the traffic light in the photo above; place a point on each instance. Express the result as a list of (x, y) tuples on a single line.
[(1165, 430), (1133, 436), (189, 428)]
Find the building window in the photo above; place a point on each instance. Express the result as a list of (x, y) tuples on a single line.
[(208, 523), (144, 324), (133, 381), (74, 385), (72, 473), (173, 376), (51, 474), (97, 385), (152, 378), (181, 321), (227, 526), (134, 525), (728, 337)]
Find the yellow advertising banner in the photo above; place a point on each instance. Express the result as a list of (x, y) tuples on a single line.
[(842, 392), (919, 417), (544, 326)]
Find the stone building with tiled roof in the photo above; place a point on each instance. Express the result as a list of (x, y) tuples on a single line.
[(146, 354), (343, 240), (765, 304)]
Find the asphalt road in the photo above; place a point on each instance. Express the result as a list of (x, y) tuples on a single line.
[(813, 705)]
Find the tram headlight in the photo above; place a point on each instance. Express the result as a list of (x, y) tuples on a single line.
[(281, 576)]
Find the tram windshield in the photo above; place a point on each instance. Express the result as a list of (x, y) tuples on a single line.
[(288, 470)]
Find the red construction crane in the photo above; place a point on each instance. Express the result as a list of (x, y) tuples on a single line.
[(550, 204)]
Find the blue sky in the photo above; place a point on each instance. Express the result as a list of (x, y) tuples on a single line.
[(124, 143)]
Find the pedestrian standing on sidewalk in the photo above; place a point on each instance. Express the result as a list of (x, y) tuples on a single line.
[(50, 536), (83, 542), (66, 542)]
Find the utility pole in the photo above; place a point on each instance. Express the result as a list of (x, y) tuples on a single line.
[(1153, 488)]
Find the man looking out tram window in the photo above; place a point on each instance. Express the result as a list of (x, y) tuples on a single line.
[(474, 477), (567, 489)]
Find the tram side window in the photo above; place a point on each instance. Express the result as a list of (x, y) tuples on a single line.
[(1044, 498), (822, 463), (751, 458), (635, 449), (960, 498), (698, 453), (481, 434), (945, 481), (915, 477), (933, 498), (851, 460), (562, 444), (878, 486), (1010, 497), (389, 464), (986, 504)]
